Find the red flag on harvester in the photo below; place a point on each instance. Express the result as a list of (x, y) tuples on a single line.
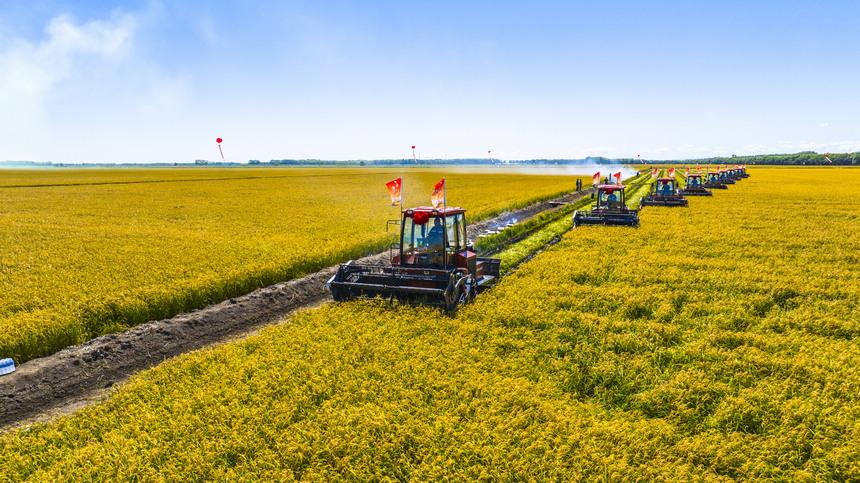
[(617, 177), (671, 172), (687, 171), (596, 178), (394, 187), (437, 199), (655, 172)]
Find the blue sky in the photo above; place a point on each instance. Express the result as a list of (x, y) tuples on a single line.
[(85, 81)]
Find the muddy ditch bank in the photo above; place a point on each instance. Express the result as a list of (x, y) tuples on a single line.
[(80, 375)]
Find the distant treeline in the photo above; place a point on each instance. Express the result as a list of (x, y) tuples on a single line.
[(803, 158), (434, 162), (798, 159)]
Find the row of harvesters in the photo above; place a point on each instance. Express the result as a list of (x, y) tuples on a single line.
[(611, 208), (436, 264)]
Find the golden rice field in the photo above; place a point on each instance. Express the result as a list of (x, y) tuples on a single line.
[(716, 342), (87, 252)]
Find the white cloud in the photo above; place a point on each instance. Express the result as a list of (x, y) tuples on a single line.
[(29, 71)]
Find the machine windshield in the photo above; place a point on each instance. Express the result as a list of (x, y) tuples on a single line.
[(693, 181), (665, 187), (424, 243), (610, 197)]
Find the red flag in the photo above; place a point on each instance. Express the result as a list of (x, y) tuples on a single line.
[(394, 191), (617, 177), (596, 178), (671, 172), (437, 199), (655, 172), (687, 171)]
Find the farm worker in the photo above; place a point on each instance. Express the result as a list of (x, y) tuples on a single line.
[(435, 241), (667, 189), (612, 198)]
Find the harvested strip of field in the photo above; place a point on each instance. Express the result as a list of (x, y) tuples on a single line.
[(683, 349), (89, 255)]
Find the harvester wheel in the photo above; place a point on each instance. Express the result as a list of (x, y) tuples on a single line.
[(456, 293)]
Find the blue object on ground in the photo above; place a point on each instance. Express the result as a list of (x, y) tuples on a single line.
[(7, 366)]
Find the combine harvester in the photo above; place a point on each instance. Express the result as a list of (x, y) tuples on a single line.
[(713, 182), (725, 178), (737, 174), (610, 209), (695, 186), (433, 264), (665, 192)]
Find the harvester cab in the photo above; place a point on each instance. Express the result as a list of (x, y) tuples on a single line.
[(725, 178), (714, 182), (664, 192), (610, 209), (695, 186), (433, 264), (742, 171)]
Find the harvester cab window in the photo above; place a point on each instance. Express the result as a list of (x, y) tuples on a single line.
[(451, 228), (693, 181), (423, 240), (665, 187), (609, 197), (413, 235), (456, 228), (461, 232), (436, 235)]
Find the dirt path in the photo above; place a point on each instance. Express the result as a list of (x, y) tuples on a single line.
[(80, 375)]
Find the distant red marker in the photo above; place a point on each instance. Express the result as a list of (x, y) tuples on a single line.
[(218, 140)]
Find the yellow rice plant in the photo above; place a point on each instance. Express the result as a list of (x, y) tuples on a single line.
[(716, 342), (87, 252)]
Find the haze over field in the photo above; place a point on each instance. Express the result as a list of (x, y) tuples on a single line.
[(150, 81)]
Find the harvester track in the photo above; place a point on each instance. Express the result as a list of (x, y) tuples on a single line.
[(81, 375)]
